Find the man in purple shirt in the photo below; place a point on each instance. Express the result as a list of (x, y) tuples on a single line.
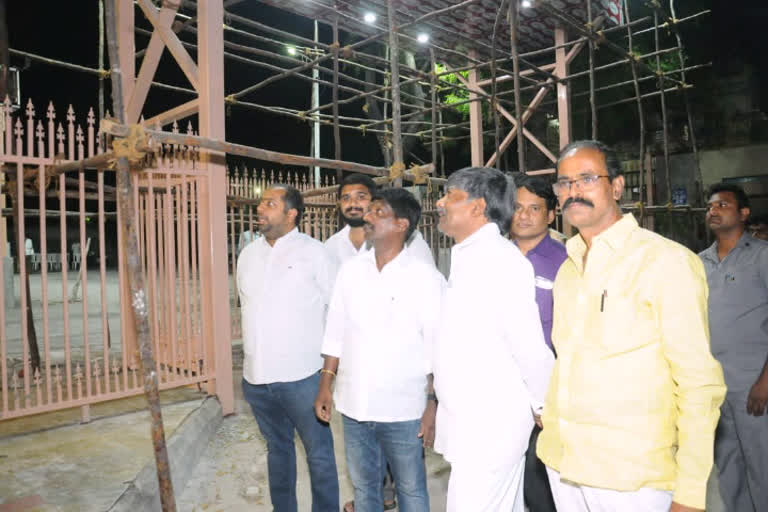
[(534, 212)]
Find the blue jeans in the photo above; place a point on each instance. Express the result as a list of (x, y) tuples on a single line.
[(279, 408), (367, 444)]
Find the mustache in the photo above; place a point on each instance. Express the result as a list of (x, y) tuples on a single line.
[(574, 200), (353, 209)]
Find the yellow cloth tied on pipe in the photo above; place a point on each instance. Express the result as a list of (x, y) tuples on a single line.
[(419, 175), (131, 147), (396, 171)]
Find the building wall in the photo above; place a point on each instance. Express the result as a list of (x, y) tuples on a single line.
[(715, 166)]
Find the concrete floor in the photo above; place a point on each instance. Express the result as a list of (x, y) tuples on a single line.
[(54, 462), (232, 474)]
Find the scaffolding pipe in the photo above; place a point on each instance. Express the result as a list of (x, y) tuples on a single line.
[(640, 111), (336, 133), (686, 101), (138, 293), (663, 99), (513, 34), (591, 49), (494, 85), (394, 55)]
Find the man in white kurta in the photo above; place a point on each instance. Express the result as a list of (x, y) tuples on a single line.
[(491, 365), (378, 340)]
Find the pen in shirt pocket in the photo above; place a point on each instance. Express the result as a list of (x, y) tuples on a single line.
[(602, 300)]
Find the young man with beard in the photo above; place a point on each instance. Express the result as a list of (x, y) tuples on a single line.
[(632, 406), (491, 363), (284, 279), (737, 272), (533, 213), (378, 341), (355, 193)]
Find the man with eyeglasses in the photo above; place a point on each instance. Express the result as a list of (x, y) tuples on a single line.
[(634, 399), (737, 272)]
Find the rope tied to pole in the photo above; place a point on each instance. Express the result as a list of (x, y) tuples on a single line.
[(420, 174), (396, 171), (133, 147), (347, 52), (104, 73), (641, 207)]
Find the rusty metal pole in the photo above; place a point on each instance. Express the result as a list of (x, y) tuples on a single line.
[(513, 28), (686, 101), (640, 111), (496, 120), (138, 295), (433, 91), (336, 132), (394, 56)]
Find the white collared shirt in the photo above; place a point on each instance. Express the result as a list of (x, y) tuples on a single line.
[(491, 364), (284, 294), (342, 248), (381, 326)]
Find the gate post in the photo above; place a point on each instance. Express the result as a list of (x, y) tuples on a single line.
[(215, 297)]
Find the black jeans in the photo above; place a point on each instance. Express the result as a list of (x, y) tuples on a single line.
[(538, 494)]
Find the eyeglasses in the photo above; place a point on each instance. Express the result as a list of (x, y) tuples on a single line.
[(585, 182)]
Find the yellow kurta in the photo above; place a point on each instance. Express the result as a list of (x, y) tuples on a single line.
[(635, 393)]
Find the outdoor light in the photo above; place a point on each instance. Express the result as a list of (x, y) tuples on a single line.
[(422, 38), (525, 4), (291, 50), (369, 18)]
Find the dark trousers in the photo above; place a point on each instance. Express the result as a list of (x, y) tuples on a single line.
[(538, 495), (281, 409), (741, 455)]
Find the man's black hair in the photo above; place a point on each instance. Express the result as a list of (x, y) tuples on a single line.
[(292, 198), (741, 197), (538, 186), (493, 186), (611, 160), (403, 205), (358, 179)]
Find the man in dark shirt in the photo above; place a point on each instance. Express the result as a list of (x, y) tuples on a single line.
[(534, 212)]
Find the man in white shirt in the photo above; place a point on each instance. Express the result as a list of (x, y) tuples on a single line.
[(379, 336), (355, 193), (285, 279), (491, 364)]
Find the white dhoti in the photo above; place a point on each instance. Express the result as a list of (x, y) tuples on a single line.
[(571, 497), (475, 488)]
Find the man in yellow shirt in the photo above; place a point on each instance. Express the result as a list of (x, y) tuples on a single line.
[(634, 399)]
